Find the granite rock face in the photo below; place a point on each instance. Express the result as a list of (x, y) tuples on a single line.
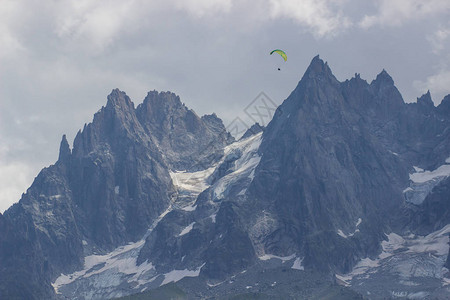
[(157, 193), (102, 194), (323, 168), (188, 142)]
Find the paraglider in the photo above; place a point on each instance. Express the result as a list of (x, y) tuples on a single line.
[(282, 54)]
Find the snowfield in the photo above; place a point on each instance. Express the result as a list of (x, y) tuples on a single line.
[(116, 274), (406, 263), (422, 182)]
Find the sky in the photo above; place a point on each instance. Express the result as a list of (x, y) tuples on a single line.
[(59, 59)]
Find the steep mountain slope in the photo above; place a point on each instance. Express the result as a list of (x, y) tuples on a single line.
[(323, 171), (104, 193), (181, 133), (346, 179)]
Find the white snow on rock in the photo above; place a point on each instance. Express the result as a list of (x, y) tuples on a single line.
[(342, 234), (298, 264), (424, 176), (213, 217), (417, 169), (282, 258), (243, 166), (189, 208), (190, 184), (176, 275), (447, 161), (116, 190), (106, 271), (193, 182), (122, 261), (422, 183), (187, 229), (408, 257)]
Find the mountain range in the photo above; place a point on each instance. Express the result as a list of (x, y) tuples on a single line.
[(344, 195)]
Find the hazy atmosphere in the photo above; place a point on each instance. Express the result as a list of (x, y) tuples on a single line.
[(60, 59)]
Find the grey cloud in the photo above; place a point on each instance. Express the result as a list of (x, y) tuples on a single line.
[(62, 61)]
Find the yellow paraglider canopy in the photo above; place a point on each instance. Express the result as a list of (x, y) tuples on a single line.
[(281, 52)]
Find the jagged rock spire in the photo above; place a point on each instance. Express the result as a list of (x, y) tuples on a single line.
[(425, 99), (64, 149)]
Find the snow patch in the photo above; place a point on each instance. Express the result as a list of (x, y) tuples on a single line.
[(116, 266), (187, 229), (191, 182), (215, 284), (176, 275), (423, 182), (393, 243), (189, 208), (447, 161), (424, 176), (116, 190), (433, 249), (435, 243), (298, 264), (394, 153), (282, 258), (418, 170), (213, 217), (243, 166), (342, 234)]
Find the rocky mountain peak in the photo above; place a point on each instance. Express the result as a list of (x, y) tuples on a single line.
[(318, 69), (181, 132), (387, 95), (425, 100), (119, 99), (163, 102), (64, 149), (158, 193), (444, 107), (383, 78), (254, 129)]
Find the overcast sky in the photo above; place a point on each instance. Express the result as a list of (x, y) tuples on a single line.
[(60, 59)]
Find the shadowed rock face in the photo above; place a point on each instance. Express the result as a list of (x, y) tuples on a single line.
[(23, 267), (328, 160), (323, 168), (102, 194), (324, 181), (187, 141), (119, 180), (254, 129), (107, 190)]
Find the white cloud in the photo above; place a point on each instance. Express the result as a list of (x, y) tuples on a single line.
[(438, 83), (440, 40), (397, 12), (9, 42), (14, 179), (323, 17), (94, 24), (59, 59), (202, 8)]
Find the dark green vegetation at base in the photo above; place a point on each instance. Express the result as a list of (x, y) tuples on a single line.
[(169, 291), (277, 283), (173, 292)]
